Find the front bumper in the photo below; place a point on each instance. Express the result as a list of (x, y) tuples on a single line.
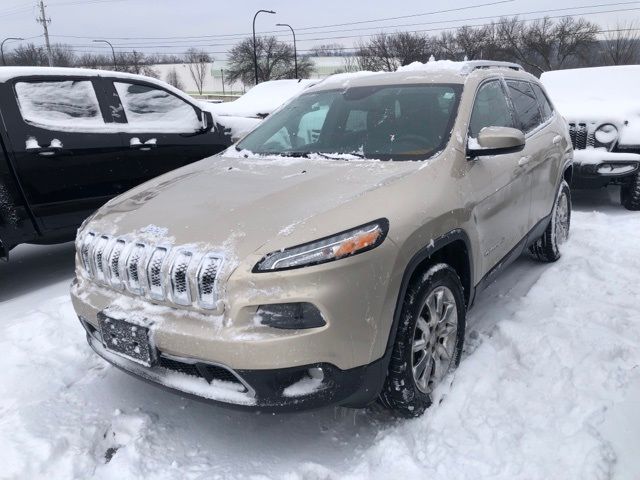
[(596, 166), (277, 390)]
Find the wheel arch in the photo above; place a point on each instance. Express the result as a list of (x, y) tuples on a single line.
[(452, 248)]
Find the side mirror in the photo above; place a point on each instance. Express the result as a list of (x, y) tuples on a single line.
[(496, 141), (207, 121)]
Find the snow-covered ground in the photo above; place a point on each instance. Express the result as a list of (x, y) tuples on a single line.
[(549, 387)]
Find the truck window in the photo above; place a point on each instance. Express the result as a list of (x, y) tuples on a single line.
[(156, 109), (68, 104)]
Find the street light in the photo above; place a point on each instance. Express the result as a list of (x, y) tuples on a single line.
[(295, 50), (115, 67), (255, 54), (2, 47)]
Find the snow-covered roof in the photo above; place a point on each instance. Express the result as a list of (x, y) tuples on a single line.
[(445, 70), (9, 73), (262, 99)]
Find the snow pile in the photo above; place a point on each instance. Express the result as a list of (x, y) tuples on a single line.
[(433, 66), (549, 388), (599, 95)]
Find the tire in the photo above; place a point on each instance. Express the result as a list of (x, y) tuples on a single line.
[(547, 247), (405, 392), (630, 193)]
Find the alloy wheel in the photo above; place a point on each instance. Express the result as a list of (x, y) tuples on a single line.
[(434, 339)]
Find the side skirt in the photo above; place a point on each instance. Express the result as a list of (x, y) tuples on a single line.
[(534, 234)]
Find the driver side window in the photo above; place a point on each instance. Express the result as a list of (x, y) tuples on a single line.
[(490, 109)]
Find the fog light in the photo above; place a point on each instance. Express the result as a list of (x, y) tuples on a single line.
[(290, 316)]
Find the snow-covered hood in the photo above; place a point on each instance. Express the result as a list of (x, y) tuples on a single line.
[(599, 95), (239, 204)]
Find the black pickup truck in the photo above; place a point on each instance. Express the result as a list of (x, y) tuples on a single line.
[(71, 139)]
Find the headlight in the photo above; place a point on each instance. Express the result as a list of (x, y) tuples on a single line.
[(341, 245), (606, 134)]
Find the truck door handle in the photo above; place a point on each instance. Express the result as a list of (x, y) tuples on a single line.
[(524, 160), (45, 151), (144, 147), (557, 139)]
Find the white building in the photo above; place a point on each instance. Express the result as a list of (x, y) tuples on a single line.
[(323, 67)]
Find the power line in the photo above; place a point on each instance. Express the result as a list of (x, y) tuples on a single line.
[(190, 39), (435, 12), (194, 44)]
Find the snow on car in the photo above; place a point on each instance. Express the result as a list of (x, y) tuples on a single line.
[(602, 107), (243, 114)]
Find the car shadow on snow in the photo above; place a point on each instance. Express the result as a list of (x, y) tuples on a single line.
[(32, 267)]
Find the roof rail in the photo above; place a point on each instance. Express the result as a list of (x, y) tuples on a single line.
[(472, 65)]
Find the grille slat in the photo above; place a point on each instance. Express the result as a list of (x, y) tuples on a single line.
[(179, 278), (207, 274), (133, 268), (581, 137), (154, 273)]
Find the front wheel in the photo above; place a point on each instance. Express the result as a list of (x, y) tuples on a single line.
[(630, 193), (547, 247), (428, 342)]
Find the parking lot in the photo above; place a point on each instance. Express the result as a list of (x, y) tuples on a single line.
[(548, 386)]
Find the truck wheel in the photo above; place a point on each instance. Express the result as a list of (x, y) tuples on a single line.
[(547, 247), (428, 342), (630, 193)]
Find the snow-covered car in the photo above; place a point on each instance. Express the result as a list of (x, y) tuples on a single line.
[(71, 139), (244, 114), (602, 107), (331, 255)]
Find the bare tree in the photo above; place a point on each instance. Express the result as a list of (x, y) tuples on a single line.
[(621, 44), (198, 66), (275, 61), (327, 50), (173, 79), (29, 55), (544, 45)]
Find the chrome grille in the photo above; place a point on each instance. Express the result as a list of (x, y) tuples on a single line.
[(180, 275), (581, 137)]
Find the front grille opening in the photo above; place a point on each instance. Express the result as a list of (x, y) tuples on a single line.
[(201, 370)]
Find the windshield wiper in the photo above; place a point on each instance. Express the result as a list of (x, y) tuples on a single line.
[(336, 157)]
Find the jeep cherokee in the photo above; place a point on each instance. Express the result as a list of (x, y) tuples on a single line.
[(331, 255)]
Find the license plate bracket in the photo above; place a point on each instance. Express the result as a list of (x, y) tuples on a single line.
[(127, 339)]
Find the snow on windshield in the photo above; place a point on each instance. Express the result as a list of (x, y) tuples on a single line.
[(59, 103), (156, 108)]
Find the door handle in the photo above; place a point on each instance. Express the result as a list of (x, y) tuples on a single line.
[(524, 160), (142, 146), (45, 151), (557, 139)]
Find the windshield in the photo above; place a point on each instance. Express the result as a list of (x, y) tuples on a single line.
[(391, 122)]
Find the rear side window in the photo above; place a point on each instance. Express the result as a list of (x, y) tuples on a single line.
[(67, 104), (490, 109), (545, 106), (156, 109), (525, 103)]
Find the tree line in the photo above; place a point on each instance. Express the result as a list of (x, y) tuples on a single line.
[(541, 45)]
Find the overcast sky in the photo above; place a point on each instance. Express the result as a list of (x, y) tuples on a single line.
[(215, 26)]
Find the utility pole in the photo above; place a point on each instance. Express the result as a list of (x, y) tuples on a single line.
[(44, 21), (222, 73)]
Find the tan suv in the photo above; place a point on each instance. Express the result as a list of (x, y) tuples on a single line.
[(331, 255)]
